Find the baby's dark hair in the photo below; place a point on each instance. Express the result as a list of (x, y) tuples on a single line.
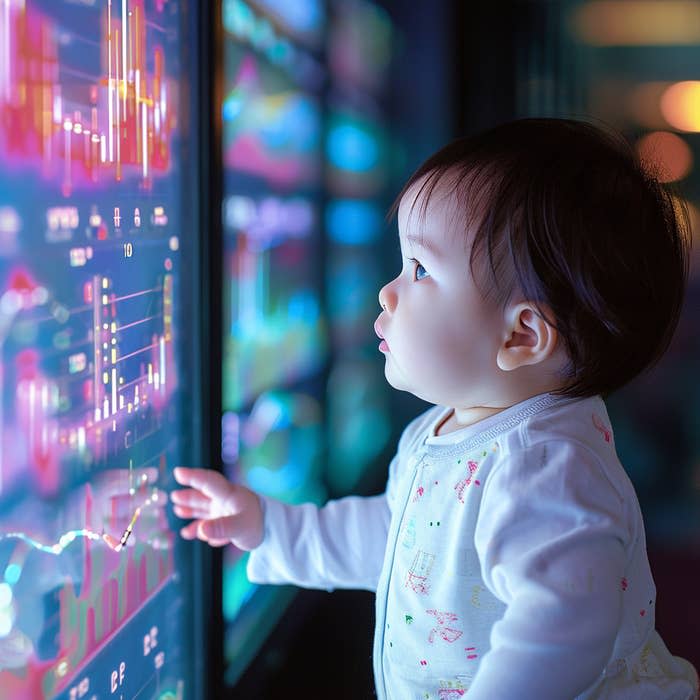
[(570, 218)]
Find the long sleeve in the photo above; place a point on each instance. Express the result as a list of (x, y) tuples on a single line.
[(340, 545), (551, 539)]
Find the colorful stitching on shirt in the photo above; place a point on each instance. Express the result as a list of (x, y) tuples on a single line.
[(409, 537), (461, 485), (417, 576), (601, 427), (449, 634), (451, 689), (488, 604)]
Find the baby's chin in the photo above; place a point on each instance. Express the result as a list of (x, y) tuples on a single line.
[(399, 381), (393, 376)]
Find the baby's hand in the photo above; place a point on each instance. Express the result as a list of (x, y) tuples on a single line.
[(224, 513)]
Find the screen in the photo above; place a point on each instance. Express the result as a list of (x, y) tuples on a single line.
[(275, 333), (358, 156), (93, 333)]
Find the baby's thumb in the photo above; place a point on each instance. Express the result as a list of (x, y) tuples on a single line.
[(219, 528), (242, 530)]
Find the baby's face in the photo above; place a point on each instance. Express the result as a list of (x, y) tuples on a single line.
[(441, 336)]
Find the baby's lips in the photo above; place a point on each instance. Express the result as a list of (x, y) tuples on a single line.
[(378, 329)]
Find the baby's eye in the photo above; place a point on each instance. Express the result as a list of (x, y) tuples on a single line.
[(419, 272)]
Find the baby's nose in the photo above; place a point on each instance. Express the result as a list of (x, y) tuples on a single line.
[(387, 297)]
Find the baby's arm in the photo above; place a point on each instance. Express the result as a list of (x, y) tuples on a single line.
[(551, 538), (338, 546), (341, 545)]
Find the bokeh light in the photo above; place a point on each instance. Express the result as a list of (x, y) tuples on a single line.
[(680, 105), (668, 155), (637, 22), (5, 595)]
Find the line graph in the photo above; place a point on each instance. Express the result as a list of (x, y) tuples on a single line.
[(110, 574), (65, 540)]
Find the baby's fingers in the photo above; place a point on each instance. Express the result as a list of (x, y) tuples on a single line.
[(193, 531), (212, 484), (187, 512), (238, 529), (191, 498), (189, 532)]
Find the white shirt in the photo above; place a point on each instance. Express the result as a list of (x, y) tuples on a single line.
[(509, 561)]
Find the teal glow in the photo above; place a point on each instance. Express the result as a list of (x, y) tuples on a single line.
[(353, 221), (12, 573), (306, 16), (233, 104), (350, 147), (304, 305), (237, 590)]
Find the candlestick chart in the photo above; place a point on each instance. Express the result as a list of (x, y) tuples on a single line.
[(91, 345)]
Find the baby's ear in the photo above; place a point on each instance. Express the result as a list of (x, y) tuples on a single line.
[(528, 338)]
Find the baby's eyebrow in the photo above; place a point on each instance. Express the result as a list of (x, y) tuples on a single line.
[(422, 242)]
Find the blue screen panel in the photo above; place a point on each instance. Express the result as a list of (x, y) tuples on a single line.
[(92, 334)]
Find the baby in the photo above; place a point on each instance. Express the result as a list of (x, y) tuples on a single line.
[(542, 268)]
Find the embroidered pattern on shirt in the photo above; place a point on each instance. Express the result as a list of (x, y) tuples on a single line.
[(419, 573), (463, 483), (488, 603), (449, 634), (451, 689), (409, 536), (601, 427)]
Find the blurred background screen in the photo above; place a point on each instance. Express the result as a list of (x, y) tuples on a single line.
[(275, 343), (306, 159)]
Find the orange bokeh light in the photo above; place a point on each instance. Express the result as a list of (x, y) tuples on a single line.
[(668, 155), (637, 22), (680, 105)]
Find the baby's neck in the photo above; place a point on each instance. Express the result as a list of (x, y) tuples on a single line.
[(457, 419), (522, 385)]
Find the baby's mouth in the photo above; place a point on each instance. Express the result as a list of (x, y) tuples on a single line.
[(383, 345)]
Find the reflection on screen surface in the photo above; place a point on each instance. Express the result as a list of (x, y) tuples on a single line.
[(90, 340)]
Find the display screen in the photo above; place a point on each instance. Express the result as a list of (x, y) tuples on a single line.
[(275, 336), (358, 156), (272, 139), (92, 336)]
